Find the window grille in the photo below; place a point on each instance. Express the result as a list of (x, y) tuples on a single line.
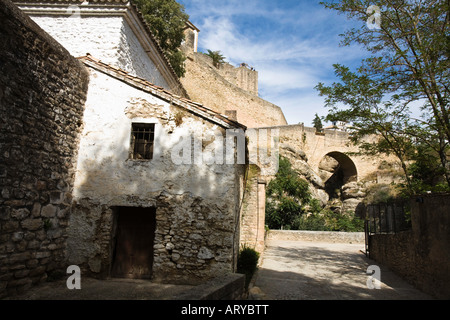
[(142, 140)]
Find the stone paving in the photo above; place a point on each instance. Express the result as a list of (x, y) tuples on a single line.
[(304, 270)]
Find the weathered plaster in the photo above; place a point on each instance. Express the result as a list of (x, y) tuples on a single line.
[(197, 206)]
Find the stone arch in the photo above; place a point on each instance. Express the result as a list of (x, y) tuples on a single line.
[(346, 163), (336, 169)]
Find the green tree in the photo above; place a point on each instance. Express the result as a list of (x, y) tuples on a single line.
[(287, 197), (167, 20), (369, 115), (409, 62), (217, 58), (317, 123)]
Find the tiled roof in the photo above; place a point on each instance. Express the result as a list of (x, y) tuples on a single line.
[(139, 15), (189, 105)]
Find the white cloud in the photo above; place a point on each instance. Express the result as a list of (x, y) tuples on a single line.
[(291, 45), (300, 106)]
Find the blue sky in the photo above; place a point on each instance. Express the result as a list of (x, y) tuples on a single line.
[(291, 43)]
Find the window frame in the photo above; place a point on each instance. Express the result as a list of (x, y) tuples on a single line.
[(147, 130)]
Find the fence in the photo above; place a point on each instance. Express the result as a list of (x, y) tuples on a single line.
[(386, 218), (420, 255)]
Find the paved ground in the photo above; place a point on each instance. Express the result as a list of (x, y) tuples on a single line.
[(290, 270), (114, 289), (301, 270)]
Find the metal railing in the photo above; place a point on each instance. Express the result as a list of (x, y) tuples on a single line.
[(386, 218)]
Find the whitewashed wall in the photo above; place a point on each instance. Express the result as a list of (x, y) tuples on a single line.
[(105, 145), (107, 38), (197, 205)]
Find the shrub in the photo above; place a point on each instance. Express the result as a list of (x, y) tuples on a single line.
[(380, 193), (287, 197), (328, 220), (247, 263)]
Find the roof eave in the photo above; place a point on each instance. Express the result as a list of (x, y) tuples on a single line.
[(163, 94)]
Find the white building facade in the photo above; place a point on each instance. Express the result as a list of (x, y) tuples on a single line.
[(113, 31), (137, 210)]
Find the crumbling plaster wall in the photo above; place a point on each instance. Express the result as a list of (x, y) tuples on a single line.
[(197, 206)]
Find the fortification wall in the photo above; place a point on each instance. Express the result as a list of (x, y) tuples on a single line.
[(207, 85), (42, 95)]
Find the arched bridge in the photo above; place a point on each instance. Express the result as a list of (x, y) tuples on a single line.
[(330, 143)]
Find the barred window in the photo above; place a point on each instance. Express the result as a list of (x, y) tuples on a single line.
[(142, 140)]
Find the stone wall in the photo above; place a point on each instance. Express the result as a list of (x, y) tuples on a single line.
[(253, 211), (317, 236), (42, 95), (422, 255), (206, 84), (242, 77)]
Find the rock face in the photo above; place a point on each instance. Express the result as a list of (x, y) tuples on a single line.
[(327, 167), (326, 186), (299, 163), (42, 95)]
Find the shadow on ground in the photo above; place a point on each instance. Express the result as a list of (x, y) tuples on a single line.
[(323, 271), (113, 289)]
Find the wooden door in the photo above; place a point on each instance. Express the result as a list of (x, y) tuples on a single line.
[(134, 243)]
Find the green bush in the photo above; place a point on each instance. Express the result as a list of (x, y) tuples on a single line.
[(247, 263), (287, 196), (328, 220), (380, 193)]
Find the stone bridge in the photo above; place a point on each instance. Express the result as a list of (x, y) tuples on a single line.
[(310, 152), (332, 143)]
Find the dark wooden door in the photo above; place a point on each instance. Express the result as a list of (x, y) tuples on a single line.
[(134, 243)]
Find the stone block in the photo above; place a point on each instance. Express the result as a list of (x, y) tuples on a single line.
[(49, 211), (21, 273), (17, 236), (32, 224), (205, 254), (19, 257), (42, 254), (9, 226), (20, 214), (36, 211)]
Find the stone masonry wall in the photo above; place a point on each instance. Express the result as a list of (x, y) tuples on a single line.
[(253, 211), (242, 76), (421, 255), (205, 84), (42, 94)]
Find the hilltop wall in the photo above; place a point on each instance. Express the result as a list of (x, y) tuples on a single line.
[(218, 90)]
